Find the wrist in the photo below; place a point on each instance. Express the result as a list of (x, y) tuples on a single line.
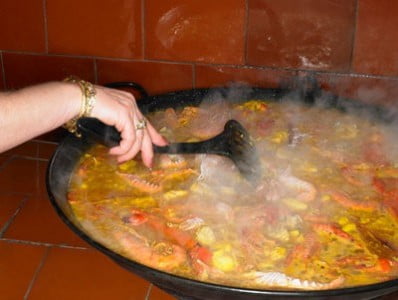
[(73, 99), (87, 102)]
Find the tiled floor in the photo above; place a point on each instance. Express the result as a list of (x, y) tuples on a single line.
[(40, 257)]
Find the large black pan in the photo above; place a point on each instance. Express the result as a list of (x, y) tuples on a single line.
[(71, 150)]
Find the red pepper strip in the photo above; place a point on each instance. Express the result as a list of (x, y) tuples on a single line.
[(385, 265), (202, 253)]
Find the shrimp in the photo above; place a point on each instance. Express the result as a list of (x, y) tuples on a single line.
[(163, 255), (345, 201), (306, 191)]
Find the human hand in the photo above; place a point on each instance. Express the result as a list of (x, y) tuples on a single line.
[(118, 108)]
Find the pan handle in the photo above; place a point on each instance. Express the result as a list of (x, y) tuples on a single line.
[(93, 129), (129, 84), (96, 131)]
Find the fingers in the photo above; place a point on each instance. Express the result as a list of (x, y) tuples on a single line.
[(119, 108), (147, 150), (131, 142), (132, 151), (156, 138)]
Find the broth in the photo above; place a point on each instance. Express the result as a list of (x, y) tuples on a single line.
[(323, 216)]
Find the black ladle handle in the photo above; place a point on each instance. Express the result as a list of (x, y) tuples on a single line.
[(108, 136)]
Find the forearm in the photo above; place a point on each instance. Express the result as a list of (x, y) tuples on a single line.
[(32, 111)]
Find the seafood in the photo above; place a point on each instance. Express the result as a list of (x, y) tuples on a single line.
[(347, 202), (140, 183), (304, 250), (334, 230), (163, 255), (172, 161), (303, 190), (280, 280), (323, 213), (181, 240)]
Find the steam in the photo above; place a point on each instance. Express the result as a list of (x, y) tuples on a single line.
[(302, 146)]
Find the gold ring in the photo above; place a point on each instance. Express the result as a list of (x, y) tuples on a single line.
[(141, 124)]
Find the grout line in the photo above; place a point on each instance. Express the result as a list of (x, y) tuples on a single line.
[(193, 76), (2, 70), (143, 31), (33, 243), (7, 162), (95, 66), (148, 293), (44, 142), (45, 26), (247, 66), (56, 54), (35, 158), (354, 33), (245, 31), (36, 273), (12, 218), (38, 177)]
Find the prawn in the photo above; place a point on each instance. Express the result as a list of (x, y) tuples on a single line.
[(162, 255), (306, 190)]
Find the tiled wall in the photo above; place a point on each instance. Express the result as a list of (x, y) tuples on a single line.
[(351, 45)]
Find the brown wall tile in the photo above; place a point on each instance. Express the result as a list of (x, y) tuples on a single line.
[(306, 34), (22, 25), (95, 27), (22, 70), (1, 73), (376, 43), (197, 30), (154, 77), (210, 76), (366, 89)]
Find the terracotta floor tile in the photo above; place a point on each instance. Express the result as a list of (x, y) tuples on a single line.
[(19, 175), (3, 160), (18, 264), (54, 136), (46, 150), (9, 204), (27, 149), (38, 221), (2, 87), (158, 294), (85, 274)]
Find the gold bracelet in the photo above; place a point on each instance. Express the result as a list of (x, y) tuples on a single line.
[(87, 103)]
